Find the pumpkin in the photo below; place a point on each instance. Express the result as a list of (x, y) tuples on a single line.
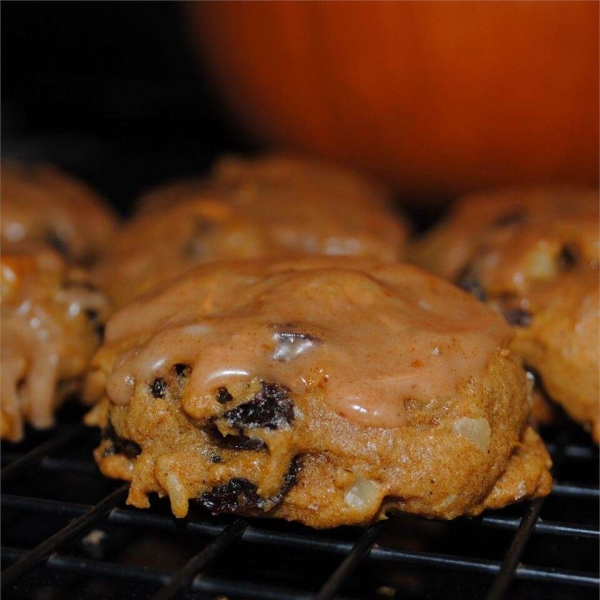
[(436, 97)]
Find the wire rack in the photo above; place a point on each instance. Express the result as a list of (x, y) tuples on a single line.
[(67, 533)]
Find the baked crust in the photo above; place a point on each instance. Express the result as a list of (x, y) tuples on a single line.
[(43, 204), (259, 446), (533, 255), (52, 320), (273, 207)]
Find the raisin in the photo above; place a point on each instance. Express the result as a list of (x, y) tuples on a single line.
[(158, 387), (567, 257), (234, 442), (109, 451), (291, 344), (538, 384), (94, 319), (271, 408), (468, 281), (236, 496), (129, 448), (537, 380), (223, 395), (56, 241), (182, 370), (216, 459), (514, 218), (290, 480), (240, 496), (518, 317)]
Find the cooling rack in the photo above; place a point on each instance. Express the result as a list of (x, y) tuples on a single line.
[(67, 533)]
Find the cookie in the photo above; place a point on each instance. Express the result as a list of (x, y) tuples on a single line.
[(267, 207), (533, 255), (42, 204), (52, 320), (325, 391)]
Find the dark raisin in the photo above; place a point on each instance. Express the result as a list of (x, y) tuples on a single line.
[(182, 370), (291, 344), (216, 459), (240, 496), (290, 480), (517, 317), (223, 395), (94, 319), (236, 496), (537, 380), (109, 450), (514, 218), (234, 442), (538, 384), (56, 241), (468, 281), (158, 387), (130, 448), (567, 257), (271, 408), (91, 314)]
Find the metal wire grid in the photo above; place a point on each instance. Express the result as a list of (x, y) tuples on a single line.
[(195, 577)]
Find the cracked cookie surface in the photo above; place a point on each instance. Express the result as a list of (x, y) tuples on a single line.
[(326, 391)]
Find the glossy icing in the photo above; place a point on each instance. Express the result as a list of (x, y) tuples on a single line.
[(372, 335), (46, 334)]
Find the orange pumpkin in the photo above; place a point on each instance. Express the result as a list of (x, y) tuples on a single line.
[(436, 97)]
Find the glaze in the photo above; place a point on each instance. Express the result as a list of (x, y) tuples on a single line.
[(46, 334), (373, 336)]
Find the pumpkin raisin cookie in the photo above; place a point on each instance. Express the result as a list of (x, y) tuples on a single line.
[(533, 255), (52, 320), (42, 204), (273, 207), (325, 391)]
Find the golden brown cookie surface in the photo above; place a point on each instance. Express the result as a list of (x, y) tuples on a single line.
[(534, 256), (52, 319), (326, 391), (268, 207), (42, 204)]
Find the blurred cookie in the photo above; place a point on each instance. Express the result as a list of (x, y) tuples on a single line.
[(326, 391), (52, 320), (41, 203), (266, 207), (534, 256)]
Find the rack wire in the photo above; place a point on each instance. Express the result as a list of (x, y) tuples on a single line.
[(68, 533)]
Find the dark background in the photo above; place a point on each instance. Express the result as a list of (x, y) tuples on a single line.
[(109, 90)]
